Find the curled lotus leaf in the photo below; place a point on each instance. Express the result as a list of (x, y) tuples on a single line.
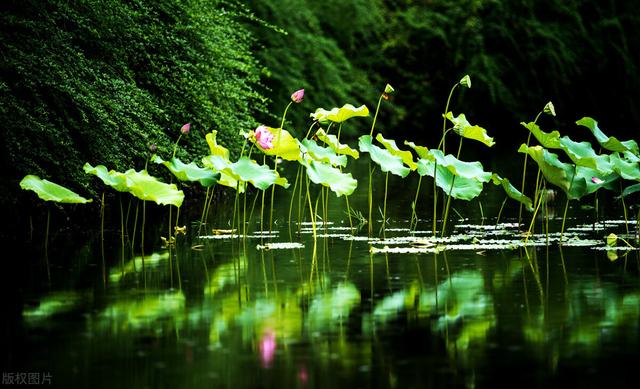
[(339, 115), (390, 145), (630, 190), (422, 151), (323, 154), (471, 170), (339, 148), (222, 165), (550, 140), (462, 127), (324, 174), (285, 145), (459, 187), (261, 176), (189, 172), (608, 142), (214, 147), (624, 168), (512, 192), (111, 178), (148, 188), (582, 154), (50, 191), (388, 162)]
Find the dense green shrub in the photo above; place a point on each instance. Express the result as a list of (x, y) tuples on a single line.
[(100, 80)]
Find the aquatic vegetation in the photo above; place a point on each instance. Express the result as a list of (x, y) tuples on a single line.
[(50, 191)]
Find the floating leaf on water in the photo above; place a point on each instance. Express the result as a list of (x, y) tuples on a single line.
[(49, 191), (339, 148), (388, 162), (608, 142), (188, 172), (390, 145), (322, 154), (339, 115), (462, 127), (280, 246)]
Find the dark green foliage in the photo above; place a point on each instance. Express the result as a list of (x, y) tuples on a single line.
[(100, 80)]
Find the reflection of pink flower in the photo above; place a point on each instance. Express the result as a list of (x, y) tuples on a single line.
[(185, 129), (297, 96), (264, 137), (303, 376), (267, 348), (596, 180)]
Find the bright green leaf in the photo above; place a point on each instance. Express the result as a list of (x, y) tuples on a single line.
[(582, 154), (387, 161), (459, 187), (630, 190), (339, 115), (331, 177), (422, 151), (339, 148), (148, 188), (215, 148), (512, 192), (188, 172), (390, 145), (462, 127), (49, 191), (261, 176), (624, 168), (609, 143), (323, 154), (111, 178), (222, 165), (471, 170), (550, 140)]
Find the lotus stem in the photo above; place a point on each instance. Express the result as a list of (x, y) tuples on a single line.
[(133, 237), (275, 168), (524, 175), (144, 214), (444, 121), (370, 198), (204, 209), (435, 196), (624, 209), (481, 213), (566, 206), (293, 195), (175, 148), (414, 214), (446, 211), (533, 219), (312, 214)]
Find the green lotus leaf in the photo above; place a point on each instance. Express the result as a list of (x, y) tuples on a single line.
[(214, 147), (222, 165), (582, 154), (471, 170), (148, 188), (550, 140), (387, 161), (630, 190), (512, 192), (261, 176), (624, 168), (285, 146), (331, 177), (339, 115), (460, 188), (391, 147), (49, 191), (608, 142), (575, 181), (323, 154), (111, 178), (422, 151), (462, 127), (339, 148), (188, 172)]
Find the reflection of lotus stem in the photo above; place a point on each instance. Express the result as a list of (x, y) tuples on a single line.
[(414, 214), (384, 207), (435, 196), (175, 147), (524, 170), (46, 245), (104, 279), (133, 236), (346, 196), (566, 206), (121, 233)]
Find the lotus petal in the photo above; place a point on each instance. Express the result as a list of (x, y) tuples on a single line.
[(285, 145)]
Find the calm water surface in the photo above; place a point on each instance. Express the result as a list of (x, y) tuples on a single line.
[(221, 312)]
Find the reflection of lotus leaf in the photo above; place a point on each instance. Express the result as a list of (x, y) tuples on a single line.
[(144, 312), (50, 305), (328, 309), (150, 261)]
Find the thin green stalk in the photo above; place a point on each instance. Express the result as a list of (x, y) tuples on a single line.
[(312, 214), (414, 214), (444, 120), (624, 209), (524, 169), (175, 147), (204, 210), (566, 206), (293, 195), (481, 213), (370, 198), (501, 208), (533, 219), (446, 212), (133, 236), (144, 214), (275, 168)]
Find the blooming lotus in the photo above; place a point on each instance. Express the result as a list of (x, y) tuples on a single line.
[(297, 96), (264, 137)]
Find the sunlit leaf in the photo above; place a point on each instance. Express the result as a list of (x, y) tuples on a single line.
[(582, 154), (323, 154), (459, 187), (111, 178), (214, 147), (223, 166), (630, 190), (390, 145), (609, 143), (49, 191), (462, 127), (387, 161), (188, 172), (261, 176), (339, 115), (612, 239), (471, 170), (285, 146), (148, 188), (339, 148), (512, 192), (331, 177), (624, 168), (550, 140), (422, 151)]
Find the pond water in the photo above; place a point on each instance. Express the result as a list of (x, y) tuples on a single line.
[(399, 309)]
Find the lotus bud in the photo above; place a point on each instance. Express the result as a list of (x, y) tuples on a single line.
[(388, 89), (549, 109), (153, 147), (297, 96), (466, 81), (185, 129)]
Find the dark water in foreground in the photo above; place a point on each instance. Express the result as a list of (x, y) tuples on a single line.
[(220, 312)]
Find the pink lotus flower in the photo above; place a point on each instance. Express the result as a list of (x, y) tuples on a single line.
[(185, 129), (264, 137), (596, 180), (297, 96)]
